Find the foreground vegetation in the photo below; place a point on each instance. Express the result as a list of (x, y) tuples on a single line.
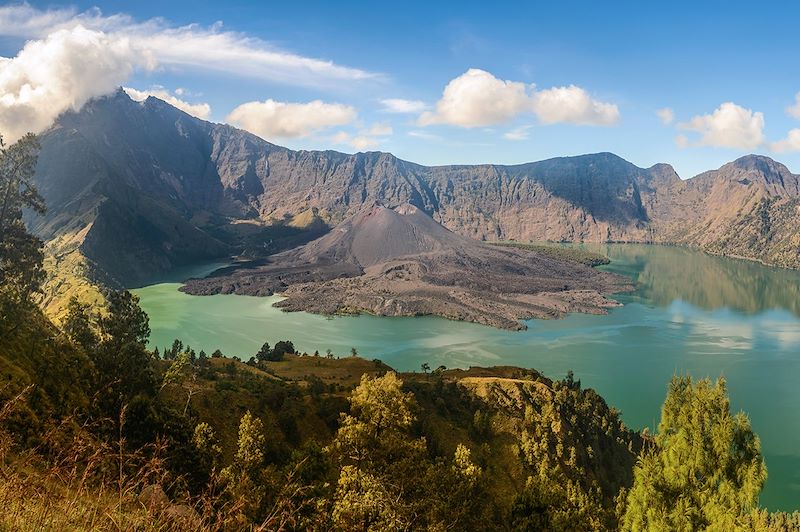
[(98, 432)]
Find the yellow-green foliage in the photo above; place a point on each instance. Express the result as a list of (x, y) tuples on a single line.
[(705, 470), (68, 276)]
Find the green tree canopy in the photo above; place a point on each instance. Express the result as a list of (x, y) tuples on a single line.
[(21, 257), (123, 365), (705, 470)]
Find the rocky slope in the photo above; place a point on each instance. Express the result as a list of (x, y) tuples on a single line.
[(749, 208), (136, 189), (143, 187), (400, 262)]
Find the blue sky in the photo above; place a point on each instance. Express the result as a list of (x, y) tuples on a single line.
[(623, 62)]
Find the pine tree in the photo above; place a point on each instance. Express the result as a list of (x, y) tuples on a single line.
[(78, 325), (21, 257), (706, 469)]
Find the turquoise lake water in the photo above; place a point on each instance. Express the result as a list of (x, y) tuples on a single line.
[(691, 314)]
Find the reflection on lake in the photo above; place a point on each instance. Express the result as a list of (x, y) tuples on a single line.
[(692, 313)]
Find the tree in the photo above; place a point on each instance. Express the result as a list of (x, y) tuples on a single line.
[(578, 454), (353, 352), (183, 373), (126, 322), (705, 470), (124, 366), (244, 477), (207, 445), (425, 367), (21, 257), (264, 353), (376, 456), (78, 324), (282, 348)]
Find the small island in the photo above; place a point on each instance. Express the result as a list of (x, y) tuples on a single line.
[(400, 262)]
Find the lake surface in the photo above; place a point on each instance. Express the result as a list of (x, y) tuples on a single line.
[(691, 314)]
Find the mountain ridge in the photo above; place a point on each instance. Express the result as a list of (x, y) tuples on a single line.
[(139, 188)]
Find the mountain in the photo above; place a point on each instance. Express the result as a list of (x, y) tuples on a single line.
[(749, 208), (400, 262), (136, 189)]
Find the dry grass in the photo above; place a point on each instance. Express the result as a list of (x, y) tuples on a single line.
[(71, 481), (343, 371)]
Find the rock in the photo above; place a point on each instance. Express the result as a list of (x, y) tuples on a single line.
[(400, 262), (184, 516), (153, 498)]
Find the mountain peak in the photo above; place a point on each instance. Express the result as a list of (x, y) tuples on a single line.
[(757, 166)]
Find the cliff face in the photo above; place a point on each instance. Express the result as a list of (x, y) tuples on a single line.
[(139, 188)]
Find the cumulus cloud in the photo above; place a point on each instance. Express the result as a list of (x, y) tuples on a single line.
[(200, 110), (477, 98), (73, 56), (666, 115), (271, 119), (729, 126), (61, 72), (794, 110), (401, 106), (573, 105), (790, 143)]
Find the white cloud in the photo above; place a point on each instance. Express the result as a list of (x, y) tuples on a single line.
[(71, 57), (61, 72), (270, 119), (794, 110), (682, 141), (518, 133), (193, 46), (573, 105), (477, 98), (729, 126), (666, 115), (200, 110), (790, 143), (400, 106)]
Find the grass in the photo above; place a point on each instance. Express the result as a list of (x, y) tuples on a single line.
[(558, 251), (342, 371)]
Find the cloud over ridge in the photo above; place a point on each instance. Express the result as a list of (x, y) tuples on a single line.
[(271, 119), (477, 99), (71, 57)]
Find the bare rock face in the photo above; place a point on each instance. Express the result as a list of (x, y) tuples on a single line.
[(400, 262), (141, 187)]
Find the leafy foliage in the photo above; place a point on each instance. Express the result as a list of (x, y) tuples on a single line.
[(705, 470), (21, 257)]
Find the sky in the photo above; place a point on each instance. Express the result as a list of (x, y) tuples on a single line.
[(694, 84)]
